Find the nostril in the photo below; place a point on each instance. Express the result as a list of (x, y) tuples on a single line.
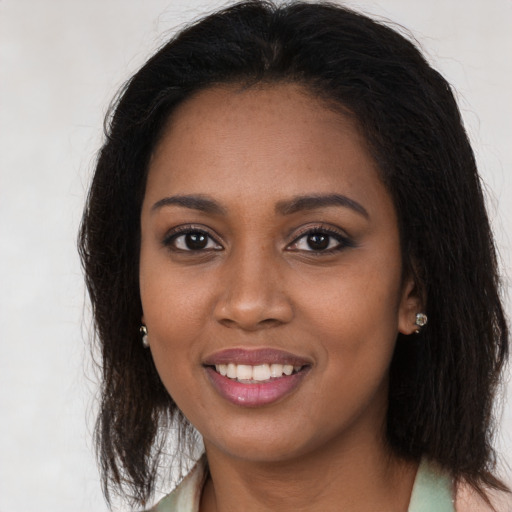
[(252, 326), (271, 322)]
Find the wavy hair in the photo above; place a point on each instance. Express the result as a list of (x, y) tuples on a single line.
[(443, 381)]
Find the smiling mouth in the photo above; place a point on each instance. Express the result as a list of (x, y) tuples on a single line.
[(256, 377), (249, 374)]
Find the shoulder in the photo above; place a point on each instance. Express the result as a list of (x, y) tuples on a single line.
[(468, 500)]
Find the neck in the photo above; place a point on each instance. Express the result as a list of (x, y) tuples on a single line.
[(364, 477)]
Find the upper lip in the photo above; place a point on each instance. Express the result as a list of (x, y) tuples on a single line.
[(255, 357)]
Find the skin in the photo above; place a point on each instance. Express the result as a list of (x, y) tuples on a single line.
[(257, 283)]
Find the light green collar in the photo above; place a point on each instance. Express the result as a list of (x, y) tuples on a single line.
[(432, 491)]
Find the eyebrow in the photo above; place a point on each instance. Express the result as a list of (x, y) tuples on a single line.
[(288, 207), (313, 202), (192, 202)]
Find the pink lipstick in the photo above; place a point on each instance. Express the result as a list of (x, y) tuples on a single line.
[(254, 378)]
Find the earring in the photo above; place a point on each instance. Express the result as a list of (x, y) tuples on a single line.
[(144, 333), (421, 320)]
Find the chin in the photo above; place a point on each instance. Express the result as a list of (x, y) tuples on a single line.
[(267, 442)]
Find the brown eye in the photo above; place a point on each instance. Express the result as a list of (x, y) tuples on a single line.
[(195, 241), (318, 241), (192, 240)]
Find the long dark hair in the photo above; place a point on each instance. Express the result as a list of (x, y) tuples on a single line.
[(444, 380)]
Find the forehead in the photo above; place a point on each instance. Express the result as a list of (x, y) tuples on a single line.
[(266, 141)]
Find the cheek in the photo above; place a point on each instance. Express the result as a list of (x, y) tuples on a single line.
[(173, 299), (353, 314), (356, 335), (174, 305), (360, 299)]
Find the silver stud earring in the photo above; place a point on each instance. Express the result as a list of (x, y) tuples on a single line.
[(421, 320), (144, 333)]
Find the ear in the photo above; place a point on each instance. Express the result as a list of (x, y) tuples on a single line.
[(411, 303)]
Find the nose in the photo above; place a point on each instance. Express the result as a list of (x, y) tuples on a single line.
[(253, 293)]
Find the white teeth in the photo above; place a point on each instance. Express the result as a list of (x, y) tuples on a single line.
[(243, 372), (276, 370), (260, 373), (231, 372)]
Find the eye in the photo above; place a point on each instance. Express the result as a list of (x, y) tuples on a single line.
[(320, 240), (189, 239)]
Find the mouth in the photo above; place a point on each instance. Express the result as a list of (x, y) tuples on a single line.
[(248, 374), (255, 378)]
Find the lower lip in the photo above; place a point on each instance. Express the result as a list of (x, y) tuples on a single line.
[(255, 395)]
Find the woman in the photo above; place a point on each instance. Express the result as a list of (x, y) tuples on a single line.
[(286, 247)]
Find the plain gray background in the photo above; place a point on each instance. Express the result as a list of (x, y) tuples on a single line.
[(61, 61)]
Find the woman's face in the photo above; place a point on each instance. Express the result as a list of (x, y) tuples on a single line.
[(270, 246)]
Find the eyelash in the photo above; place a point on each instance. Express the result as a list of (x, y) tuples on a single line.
[(342, 240), (183, 231)]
